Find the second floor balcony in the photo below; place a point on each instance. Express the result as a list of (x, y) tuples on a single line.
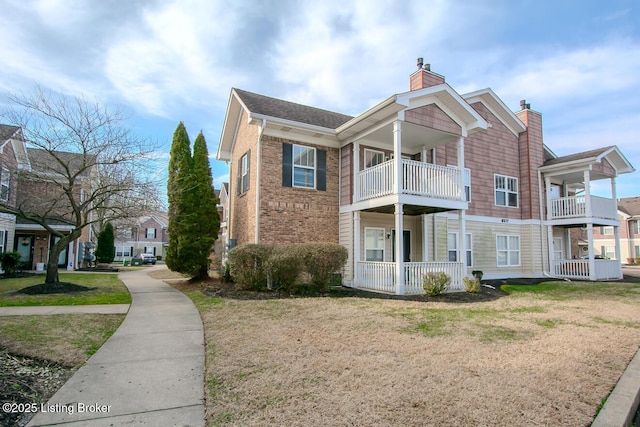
[(418, 179), (577, 207)]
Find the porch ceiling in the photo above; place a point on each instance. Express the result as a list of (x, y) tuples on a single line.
[(411, 210), (414, 137)]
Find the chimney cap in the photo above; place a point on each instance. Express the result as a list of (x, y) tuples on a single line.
[(524, 105), (420, 62)]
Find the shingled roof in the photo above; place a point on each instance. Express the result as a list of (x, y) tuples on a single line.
[(7, 131), (274, 107), (577, 156), (630, 205)]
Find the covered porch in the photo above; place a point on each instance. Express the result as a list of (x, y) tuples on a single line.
[(570, 203)]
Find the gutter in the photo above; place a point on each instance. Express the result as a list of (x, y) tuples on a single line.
[(546, 261)]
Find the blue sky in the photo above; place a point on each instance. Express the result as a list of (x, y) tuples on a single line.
[(576, 62)]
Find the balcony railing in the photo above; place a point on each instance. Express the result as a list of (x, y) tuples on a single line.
[(605, 269), (380, 276), (576, 207), (418, 178)]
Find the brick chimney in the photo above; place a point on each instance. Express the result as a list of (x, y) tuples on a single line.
[(424, 77), (531, 148)]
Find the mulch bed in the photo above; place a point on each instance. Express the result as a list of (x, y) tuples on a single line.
[(27, 381), (53, 288)]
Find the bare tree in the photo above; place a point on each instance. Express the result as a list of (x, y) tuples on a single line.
[(83, 168)]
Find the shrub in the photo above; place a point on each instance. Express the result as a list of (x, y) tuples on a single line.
[(9, 262), (247, 265), (322, 261), (636, 260), (472, 285), (435, 283), (225, 273), (159, 257), (477, 274), (283, 268)]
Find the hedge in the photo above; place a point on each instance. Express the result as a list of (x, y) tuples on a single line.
[(277, 266)]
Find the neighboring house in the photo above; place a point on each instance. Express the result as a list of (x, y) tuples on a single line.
[(604, 237), (462, 176), (10, 138), (32, 240), (147, 234), (221, 247)]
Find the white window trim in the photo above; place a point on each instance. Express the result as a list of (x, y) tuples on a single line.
[(294, 166), (244, 170), (455, 249), (146, 233), (5, 183), (607, 227), (508, 251), (3, 233), (383, 249), (506, 191), (368, 150), (468, 247)]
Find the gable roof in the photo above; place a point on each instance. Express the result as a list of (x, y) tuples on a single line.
[(630, 206), (278, 108), (572, 165), (497, 107), (590, 155), (43, 161), (8, 132)]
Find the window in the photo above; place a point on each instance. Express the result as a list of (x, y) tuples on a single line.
[(150, 250), (508, 250), (244, 173), (466, 176), (150, 233), (374, 244), (608, 252), (3, 234), (635, 227), (123, 251), (5, 184), (304, 166), (452, 246), (372, 158), (606, 230), (125, 232), (637, 252), (506, 191), (453, 250)]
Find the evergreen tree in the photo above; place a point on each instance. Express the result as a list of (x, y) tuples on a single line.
[(177, 192), (206, 223), (105, 252)]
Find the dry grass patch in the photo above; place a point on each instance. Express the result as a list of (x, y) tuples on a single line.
[(516, 360)]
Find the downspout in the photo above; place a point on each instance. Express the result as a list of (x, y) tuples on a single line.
[(545, 256), (258, 160)]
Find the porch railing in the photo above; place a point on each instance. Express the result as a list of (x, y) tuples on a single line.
[(418, 178), (575, 207), (380, 276), (605, 269)]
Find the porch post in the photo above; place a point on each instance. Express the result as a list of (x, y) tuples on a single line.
[(397, 161), (592, 261), (587, 194), (356, 248), (425, 239), (462, 240), (399, 250), (547, 187), (461, 167), (356, 170)]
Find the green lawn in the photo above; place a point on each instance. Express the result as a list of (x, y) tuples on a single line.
[(564, 290), (104, 289)]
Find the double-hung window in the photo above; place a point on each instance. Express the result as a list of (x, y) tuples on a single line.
[(244, 173), (374, 244), (304, 166), (454, 250), (506, 189), (607, 229), (508, 250), (150, 233)]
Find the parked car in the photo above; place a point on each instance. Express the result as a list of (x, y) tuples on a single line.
[(144, 259)]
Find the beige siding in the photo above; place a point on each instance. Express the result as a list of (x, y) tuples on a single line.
[(345, 238)]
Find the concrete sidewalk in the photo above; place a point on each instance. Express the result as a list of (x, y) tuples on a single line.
[(150, 372), (45, 310)]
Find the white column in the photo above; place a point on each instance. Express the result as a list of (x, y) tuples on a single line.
[(399, 249), (592, 261), (425, 239), (397, 161), (616, 233), (461, 166), (356, 248), (462, 241), (423, 154), (547, 195), (356, 170), (587, 194)]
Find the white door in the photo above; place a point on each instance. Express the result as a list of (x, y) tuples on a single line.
[(558, 248)]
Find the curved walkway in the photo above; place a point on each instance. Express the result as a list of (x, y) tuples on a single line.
[(150, 372)]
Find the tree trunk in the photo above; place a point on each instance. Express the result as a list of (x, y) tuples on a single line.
[(54, 254), (52, 271)]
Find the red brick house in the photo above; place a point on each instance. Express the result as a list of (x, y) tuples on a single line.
[(148, 234), (461, 175)]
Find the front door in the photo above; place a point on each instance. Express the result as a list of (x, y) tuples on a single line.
[(24, 246), (406, 240), (558, 250)]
